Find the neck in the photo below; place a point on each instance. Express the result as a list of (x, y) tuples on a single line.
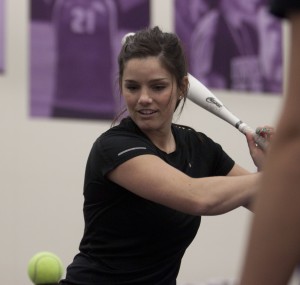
[(163, 140)]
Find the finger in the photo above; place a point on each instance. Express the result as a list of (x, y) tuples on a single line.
[(251, 142), (265, 132)]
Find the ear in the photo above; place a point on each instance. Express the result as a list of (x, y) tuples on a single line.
[(183, 87)]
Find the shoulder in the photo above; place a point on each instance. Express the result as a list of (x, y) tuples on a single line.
[(182, 132), (124, 140), (205, 154), (126, 130), (188, 133), (191, 138), (182, 129)]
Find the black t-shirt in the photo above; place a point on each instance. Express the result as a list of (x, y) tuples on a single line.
[(281, 8), (128, 239)]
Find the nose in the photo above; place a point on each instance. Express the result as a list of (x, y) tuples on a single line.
[(145, 97)]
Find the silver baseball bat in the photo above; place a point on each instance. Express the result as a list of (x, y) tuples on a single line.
[(203, 97)]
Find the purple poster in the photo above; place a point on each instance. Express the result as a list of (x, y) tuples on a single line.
[(2, 35), (231, 44), (73, 55)]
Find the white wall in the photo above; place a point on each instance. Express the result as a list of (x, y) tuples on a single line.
[(42, 166)]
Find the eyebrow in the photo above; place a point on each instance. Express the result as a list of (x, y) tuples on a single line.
[(151, 81)]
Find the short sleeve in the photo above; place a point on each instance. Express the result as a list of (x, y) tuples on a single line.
[(111, 150)]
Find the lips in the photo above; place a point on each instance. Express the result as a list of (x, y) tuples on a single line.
[(146, 112)]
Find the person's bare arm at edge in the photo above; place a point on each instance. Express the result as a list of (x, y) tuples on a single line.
[(151, 178), (273, 249)]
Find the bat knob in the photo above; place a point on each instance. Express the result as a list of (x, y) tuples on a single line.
[(125, 37)]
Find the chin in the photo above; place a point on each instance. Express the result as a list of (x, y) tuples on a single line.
[(146, 125)]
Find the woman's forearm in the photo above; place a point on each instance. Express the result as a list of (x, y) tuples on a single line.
[(223, 194)]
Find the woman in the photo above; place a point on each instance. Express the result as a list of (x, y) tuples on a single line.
[(148, 181)]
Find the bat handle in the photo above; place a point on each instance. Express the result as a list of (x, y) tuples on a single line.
[(244, 128)]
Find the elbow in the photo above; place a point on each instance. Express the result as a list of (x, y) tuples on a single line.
[(201, 208), (199, 203), (210, 207)]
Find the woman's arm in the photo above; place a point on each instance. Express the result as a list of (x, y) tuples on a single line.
[(151, 178), (237, 170), (274, 245)]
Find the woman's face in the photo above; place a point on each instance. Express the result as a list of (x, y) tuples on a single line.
[(150, 93)]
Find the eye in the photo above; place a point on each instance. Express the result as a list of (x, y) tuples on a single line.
[(158, 87), (131, 87)]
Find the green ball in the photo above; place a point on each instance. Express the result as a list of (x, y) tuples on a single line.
[(45, 268)]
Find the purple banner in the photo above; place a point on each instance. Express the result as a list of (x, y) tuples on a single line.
[(231, 44), (2, 17), (74, 48)]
